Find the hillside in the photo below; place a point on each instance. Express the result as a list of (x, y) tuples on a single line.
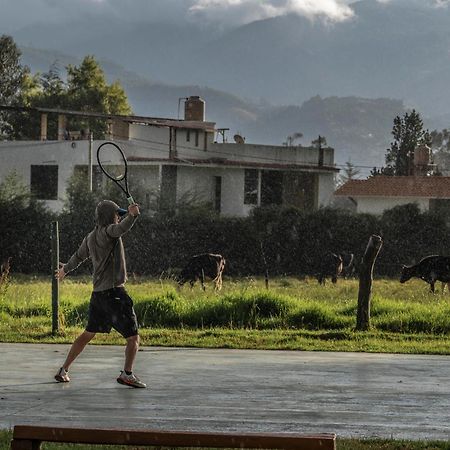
[(396, 49)]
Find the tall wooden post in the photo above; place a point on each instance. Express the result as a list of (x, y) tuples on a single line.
[(55, 281), (365, 282)]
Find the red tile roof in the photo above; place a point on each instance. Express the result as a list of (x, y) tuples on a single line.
[(383, 186)]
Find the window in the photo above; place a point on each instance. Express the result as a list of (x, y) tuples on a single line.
[(196, 138), (44, 182), (271, 188), (98, 178), (251, 187), (188, 135)]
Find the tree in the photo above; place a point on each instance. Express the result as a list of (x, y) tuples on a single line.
[(408, 134), (13, 190), (349, 172), (87, 90), (12, 76), (440, 140), (292, 138), (319, 142)]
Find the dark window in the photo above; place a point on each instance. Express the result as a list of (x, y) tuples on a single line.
[(188, 135), (196, 138), (271, 188), (98, 178), (44, 182), (251, 187), (217, 193)]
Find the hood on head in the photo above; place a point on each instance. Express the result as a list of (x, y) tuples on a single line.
[(105, 212)]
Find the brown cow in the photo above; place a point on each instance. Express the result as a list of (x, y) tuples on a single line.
[(201, 266)]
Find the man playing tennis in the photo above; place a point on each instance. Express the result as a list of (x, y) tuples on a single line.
[(110, 305)]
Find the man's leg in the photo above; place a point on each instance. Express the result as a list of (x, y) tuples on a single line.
[(127, 376), (130, 352), (77, 347)]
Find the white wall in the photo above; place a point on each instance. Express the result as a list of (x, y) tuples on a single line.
[(376, 205), (20, 155), (325, 189), (146, 140), (199, 181), (274, 154)]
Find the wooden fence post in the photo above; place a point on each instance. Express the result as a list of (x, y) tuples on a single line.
[(55, 281), (365, 282)]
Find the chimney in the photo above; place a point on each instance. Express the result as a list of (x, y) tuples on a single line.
[(194, 109)]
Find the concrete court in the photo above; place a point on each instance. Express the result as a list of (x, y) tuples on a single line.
[(351, 394)]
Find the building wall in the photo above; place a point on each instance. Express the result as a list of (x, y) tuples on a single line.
[(155, 140), (197, 183), (152, 142), (20, 155), (325, 189), (146, 141), (274, 154), (374, 205)]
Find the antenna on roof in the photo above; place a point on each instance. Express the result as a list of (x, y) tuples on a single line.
[(239, 139)]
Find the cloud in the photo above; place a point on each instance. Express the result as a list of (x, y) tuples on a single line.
[(222, 13), (239, 12)]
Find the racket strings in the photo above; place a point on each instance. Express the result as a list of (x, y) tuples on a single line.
[(112, 162)]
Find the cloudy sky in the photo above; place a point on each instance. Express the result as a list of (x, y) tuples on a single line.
[(217, 12)]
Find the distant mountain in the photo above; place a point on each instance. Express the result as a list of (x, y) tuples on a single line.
[(397, 49)]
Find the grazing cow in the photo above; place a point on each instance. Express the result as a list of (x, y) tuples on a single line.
[(201, 266), (430, 269), (330, 266)]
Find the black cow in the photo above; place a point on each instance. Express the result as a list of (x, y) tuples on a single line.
[(199, 267), (430, 269), (330, 266)]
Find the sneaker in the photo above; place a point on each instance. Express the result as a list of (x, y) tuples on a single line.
[(130, 380), (62, 376)]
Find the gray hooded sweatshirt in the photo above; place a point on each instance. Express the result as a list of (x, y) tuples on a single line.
[(105, 248)]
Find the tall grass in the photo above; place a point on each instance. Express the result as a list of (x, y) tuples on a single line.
[(290, 303)]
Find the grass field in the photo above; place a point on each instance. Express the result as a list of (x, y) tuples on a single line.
[(292, 314)]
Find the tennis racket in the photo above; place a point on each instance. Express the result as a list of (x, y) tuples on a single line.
[(113, 163)]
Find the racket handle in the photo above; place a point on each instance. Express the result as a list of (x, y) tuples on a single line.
[(131, 201)]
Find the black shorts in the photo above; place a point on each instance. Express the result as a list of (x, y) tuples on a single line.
[(112, 308)]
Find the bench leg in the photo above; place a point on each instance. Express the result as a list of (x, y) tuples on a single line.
[(25, 444)]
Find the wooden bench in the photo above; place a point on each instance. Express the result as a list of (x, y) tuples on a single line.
[(30, 438)]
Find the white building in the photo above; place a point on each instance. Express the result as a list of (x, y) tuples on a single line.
[(379, 193), (177, 160)]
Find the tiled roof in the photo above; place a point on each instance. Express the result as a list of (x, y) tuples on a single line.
[(383, 186)]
